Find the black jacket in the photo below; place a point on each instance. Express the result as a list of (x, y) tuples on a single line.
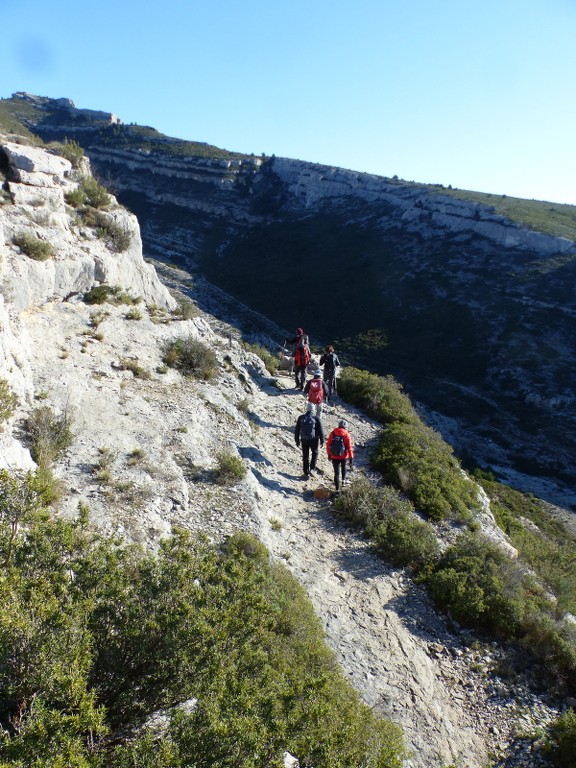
[(319, 429)]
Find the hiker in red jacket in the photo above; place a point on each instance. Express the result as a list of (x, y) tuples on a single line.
[(340, 450), (317, 391), (301, 360)]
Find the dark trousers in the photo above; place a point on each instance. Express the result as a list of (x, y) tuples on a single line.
[(340, 466), (330, 379), (300, 375), (309, 454)]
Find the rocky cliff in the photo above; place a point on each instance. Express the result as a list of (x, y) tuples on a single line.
[(157, 434)]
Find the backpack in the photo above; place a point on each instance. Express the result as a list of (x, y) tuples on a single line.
[(329, 361), (308, 427), (315, 391), (337, 445), (302, 340), (302, 355)]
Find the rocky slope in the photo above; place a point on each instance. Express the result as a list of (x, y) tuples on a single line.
[(159, 433), (472, 312)]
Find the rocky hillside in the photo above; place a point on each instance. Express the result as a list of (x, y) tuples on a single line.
[(467, 299), (144, 456)]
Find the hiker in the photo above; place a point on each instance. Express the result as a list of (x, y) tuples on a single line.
[(317, 391), (340, 450), (299, 337), (301, 360), (309, 433), (330, 362)]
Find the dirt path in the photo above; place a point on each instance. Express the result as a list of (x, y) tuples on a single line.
[(380, 625)]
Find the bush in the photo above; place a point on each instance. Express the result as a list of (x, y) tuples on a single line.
[(34, 247), (191, 357), (95, 195), (50, 434), (96, 636), (100, 294), (482, 587), (70, 150), (231, 469), (8, 401), (117, 236), (415, 458), (562, 740), (267, 357), (381, 397), (186, 310), (390, 521)]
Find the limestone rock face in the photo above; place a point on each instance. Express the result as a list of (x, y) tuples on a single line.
[(37, 183)]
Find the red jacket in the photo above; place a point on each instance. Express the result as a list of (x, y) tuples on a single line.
[(347, 442)]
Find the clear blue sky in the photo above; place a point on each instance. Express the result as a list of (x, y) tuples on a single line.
[(477, 94)]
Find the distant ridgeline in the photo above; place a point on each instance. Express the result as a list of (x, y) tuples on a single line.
[(468, 299)]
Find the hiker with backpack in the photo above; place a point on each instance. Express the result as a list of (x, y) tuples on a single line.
[(316, 391), (309, 433), (330, 362), (340, 450), (299, 338), (301, 360)]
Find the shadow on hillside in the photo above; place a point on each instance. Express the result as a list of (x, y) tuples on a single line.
[(255, 419), (253, 454), (273, 390), (274, 485)]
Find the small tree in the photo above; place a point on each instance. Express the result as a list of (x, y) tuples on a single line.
[(19, 501), (8, 401)]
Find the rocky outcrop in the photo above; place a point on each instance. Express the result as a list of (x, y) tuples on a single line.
[(37, 182)]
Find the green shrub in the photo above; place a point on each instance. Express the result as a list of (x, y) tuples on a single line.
[(70, 150), (75, 197), (381, 397), (133, 314), (230, 468), (100, 294), (562, 740), (186, 310), (546, 545), (34, 247), (415, 458), (50, 434), (95, 195), (8, 401), (389, 520), (95, 636), (192, 357), (482, 587), (267, 357)]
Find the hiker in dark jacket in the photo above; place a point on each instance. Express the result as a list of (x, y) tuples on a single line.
[(340, 450), (316, 391), (309, 433), (330, 362)]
